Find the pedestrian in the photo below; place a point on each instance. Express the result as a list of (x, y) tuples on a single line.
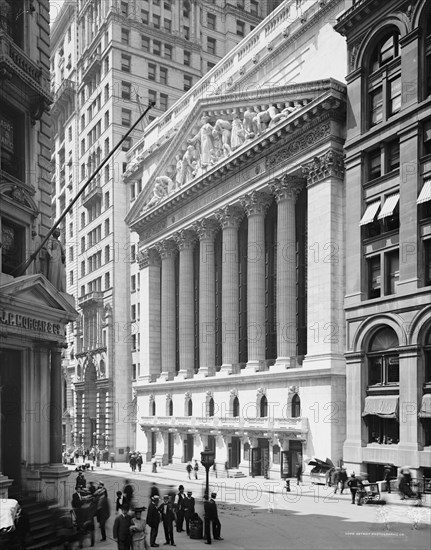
[(298, 473), (103, 510), (153, 519), (112, 460), (118, 501), (128, 491), (137, 530), (154, 490), (132, 463), (179, 509), (81, 482), (215, 469), (343, 479), (226, 467), (196, 469), (154, 465), (211, 517), (166, 510), (387, 476), (354, 484), (336, 479), (139, 461), (189, 509), (189, 469), (121, 530), (91, 487)]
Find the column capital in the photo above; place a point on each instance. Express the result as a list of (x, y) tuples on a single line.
[(330, 164), (256, 202), (229, 216), (286, 188), (206, 229), (149, 257), (167, 248), (185, 239)]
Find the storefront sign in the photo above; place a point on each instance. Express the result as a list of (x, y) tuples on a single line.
[(28, 323), (6, 134)]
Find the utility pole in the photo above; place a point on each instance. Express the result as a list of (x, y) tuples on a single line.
[(33, 256)]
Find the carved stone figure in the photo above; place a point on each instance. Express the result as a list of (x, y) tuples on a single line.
[(262, 119), (283, 114), (160, 191), (249, 126), (179, 172), (237, 135), (188, 165), (223, 129), (204, 137), (56, 262)]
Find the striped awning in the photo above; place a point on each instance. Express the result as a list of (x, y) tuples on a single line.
[(370, 213), (385, 406), (425, 411), (389, 206), (425, 194)]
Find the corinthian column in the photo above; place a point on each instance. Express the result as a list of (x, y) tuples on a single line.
[(167, 250), (255, 205), (206, 229), (230, 218), (186, 240), (55, 409), (286, 190)]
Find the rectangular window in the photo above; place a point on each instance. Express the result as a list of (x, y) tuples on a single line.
[(395, 96), (126, 90), (13, 246), (152, 71), (125, 34), (211, 21), (254, 8), (426, 132), (374, 277), (152, 96), (124, 9), (188, 82), (126, 117), (163, 75), (156, 21), (133, 283), (126, 61), (145, 17), (107, 199), (392, 269), (167, 23), (376, 106), (107, 254), (107, 281), (393, 155), (210, 65), (106, 92), (211, 45), (240, 28), (163, 102), (145, 44), (168, 51), (83, 268), (106, 120), (427, 261), (107, 227), (186, 32), (187, 56), (157, 47), (374, 164), (127, 143), (167, 6)]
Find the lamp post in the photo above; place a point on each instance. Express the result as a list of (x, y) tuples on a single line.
[(207, 460)]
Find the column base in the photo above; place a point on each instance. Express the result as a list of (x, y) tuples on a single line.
[(281, 364), (165, 376), (203, 372), (182, 374), (54, 486), (252, 366), (225, 370)]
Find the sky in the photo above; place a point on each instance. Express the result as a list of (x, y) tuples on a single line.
[(54, 8)]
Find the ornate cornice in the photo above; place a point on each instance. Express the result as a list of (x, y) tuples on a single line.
[(256, 202), (206, 229), (286, 188), (185, 239), (148, 257), (229, 216), (330, 164)]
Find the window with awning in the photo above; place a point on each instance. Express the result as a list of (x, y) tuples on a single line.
[(384, 406), (425, 194), (425, 410), (389, 206), (370, 213)]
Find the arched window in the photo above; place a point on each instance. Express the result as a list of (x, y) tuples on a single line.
[(210, 407), (235, 406), (153, 408), (384, 78), (190, 408), (427, 358), (263, 406), (427, 48), (383, 361), (296, 406)]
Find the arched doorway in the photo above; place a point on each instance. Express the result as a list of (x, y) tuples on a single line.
[(90, 395)]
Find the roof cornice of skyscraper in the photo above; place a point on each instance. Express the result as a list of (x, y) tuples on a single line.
[(66, 14)]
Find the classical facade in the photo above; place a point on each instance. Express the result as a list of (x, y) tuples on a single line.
[(109, 59), (240, 225), (34, 308), (388, 231)]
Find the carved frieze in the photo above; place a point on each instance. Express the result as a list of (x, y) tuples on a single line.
[(148, 257)]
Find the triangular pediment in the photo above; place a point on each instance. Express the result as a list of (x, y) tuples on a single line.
[(37, 293), (219, 130)]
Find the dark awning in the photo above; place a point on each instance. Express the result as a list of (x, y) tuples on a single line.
[(385, 406), (425, 411)]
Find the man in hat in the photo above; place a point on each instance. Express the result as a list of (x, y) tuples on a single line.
[(153, 519), (103, 509), (211, 516), (189, 509), (121, 530), (179, 508), (166, 510)]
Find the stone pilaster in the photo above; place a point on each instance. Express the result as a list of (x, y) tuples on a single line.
[(55, 409), (206, 229), (149, 264), (286, 190), (167, 250), (186, 240), (230, 218), (256, 205)]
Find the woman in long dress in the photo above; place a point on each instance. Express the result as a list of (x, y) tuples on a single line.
[(137, 530)]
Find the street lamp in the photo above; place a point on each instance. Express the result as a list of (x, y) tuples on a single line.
[(207, 460)]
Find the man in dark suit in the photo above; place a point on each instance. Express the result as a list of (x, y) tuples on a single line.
[(153, 519), (189, 509), (179, 500), (121, 531), (166, 510), (211, 515)]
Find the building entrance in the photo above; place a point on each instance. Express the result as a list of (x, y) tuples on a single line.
[(260, 458), (234, 450), (295, 456), (170, 447), (188, 448), (10, 417)]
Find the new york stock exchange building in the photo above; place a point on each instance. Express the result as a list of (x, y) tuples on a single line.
[(240, 225)]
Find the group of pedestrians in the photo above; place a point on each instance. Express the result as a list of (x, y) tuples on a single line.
[(135, 461), (194, 469)]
